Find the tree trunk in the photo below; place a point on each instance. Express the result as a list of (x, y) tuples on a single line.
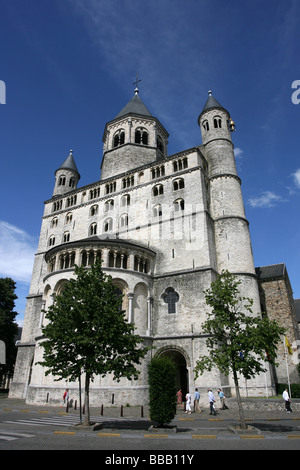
[(86, 421), (240, 405)]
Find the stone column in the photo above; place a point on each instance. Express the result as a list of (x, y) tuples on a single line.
[(149, 319), (130, 307)]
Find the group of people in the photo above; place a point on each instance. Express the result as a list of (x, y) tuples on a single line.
[(211, 399)]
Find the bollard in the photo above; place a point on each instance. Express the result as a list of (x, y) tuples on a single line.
[(83, 409), (142, 411), (75, 405), (121, 413), (101, 412), (47, 398)]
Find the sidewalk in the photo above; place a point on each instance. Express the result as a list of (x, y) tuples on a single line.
[(136, 419)]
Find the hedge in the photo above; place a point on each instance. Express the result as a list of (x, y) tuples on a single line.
[(295, 389)]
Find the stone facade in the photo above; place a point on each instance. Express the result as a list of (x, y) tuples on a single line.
[(164, 226), (277, 301)]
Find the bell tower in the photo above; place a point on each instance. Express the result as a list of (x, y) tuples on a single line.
[(134, 138), (66, 176), (232, 235)]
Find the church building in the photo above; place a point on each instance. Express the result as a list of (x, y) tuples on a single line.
[(164, 227)]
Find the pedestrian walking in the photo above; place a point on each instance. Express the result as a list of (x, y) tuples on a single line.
[(212, 400), (188, 408), (287, 401), (222, 400), (66, 396), (179, 399), (196, 401)]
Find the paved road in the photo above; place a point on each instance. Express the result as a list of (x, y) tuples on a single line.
[(27, 427)]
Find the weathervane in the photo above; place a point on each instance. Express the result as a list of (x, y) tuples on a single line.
[(136, 85)]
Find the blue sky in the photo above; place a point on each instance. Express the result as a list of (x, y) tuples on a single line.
[(68, 67)]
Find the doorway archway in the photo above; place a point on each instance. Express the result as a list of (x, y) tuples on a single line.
[(181, 361)]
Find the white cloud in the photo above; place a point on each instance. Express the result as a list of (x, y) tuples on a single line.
[(267, 199), (238, 153), (17, 251), (296, 177)]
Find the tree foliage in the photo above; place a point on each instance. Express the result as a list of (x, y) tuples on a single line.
[(87, 331), (8, 327), (162, 390), (238, 341)]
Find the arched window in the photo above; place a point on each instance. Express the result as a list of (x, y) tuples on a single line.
[(57, 206), (206, 125), (125, 201), (66, 237), (178, 205), (54, 222), (119, 138), (217, 122), (109, 205), (118, 293), (94, 210), (141, 136), (124, 220), (108, 225), (51, 241), (180, 164), (157, 211), (71, 201), (158, 189), (160, 144), (62, 180), (128, 181), (94, 193), (93, 229), (178, 184), (68, 218), (110, 187)]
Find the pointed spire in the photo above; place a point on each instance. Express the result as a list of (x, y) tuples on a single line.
[(211, 103), (135, 106), (69, 163)]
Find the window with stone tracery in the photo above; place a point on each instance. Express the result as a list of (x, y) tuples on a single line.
[(141, 136), (119, 138)]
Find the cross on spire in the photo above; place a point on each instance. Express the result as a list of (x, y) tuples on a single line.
[(136, 85)]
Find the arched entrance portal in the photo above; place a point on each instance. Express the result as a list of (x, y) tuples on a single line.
[(182, 378)]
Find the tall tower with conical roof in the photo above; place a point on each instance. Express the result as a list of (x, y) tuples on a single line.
[(66, 176), (134, 138), (233, 245), (231, 228)]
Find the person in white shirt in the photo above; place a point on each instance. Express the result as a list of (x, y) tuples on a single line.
[(287, 401), (188, 408), (212, 400)]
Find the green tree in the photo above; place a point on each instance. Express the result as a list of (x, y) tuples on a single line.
[(8, 327), (238, 341), (87, 332), (162, 390)]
